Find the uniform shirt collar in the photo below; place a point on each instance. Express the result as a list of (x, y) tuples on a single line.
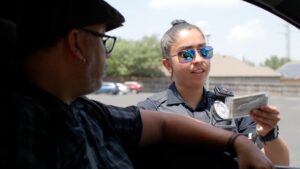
[(173, 95), (174, 98)]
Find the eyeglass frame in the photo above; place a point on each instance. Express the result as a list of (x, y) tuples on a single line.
[(194, 50), (98, 34)]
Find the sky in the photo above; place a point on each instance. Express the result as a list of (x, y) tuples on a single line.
[(233, 27)]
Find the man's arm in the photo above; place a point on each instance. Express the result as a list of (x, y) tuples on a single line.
[(172, 128), (267, 118)]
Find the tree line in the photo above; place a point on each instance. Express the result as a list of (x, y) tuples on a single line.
[(142, 58)]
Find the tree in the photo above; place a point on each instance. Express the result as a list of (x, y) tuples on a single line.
[(136, 58), (275, 62)]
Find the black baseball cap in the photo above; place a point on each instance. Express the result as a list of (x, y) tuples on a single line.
[(41, 22)]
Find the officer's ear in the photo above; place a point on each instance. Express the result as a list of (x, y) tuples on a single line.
[(167, 64)]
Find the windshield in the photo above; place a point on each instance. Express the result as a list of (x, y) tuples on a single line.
[(254, 51)]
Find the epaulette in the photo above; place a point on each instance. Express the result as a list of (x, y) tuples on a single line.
[(222, 92)]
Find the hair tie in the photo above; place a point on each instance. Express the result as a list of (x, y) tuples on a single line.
[(177, 22)]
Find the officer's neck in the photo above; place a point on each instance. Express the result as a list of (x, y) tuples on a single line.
[(191, 96)]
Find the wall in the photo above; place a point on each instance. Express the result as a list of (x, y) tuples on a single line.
[(240, 86)]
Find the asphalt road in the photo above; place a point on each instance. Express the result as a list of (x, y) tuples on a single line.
[(288, 106)]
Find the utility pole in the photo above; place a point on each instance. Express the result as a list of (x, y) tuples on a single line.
[(207, 36), (287, 37)]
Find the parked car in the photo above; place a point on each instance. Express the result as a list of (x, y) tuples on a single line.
[(108, 88), (123, 89), (134, 87)]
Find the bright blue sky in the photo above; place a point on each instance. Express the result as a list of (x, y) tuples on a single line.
[(236, 28)]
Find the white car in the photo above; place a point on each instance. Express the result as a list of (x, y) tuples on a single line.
[(122, 88)]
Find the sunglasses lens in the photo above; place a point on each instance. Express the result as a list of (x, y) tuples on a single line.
[(207, 52), (186, 56)]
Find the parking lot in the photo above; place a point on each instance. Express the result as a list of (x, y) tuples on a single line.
[(288, 106)]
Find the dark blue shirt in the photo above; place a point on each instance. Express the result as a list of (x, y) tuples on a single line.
[(38, 131), (170, 101)]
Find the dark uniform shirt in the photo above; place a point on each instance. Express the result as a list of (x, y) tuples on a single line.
[(170, 101), (41, 132)]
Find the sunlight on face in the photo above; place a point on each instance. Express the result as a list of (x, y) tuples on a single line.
[(192, 74)]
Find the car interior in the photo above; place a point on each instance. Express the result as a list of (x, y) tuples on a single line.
[(7, 43), (285, 9), (158, 156)]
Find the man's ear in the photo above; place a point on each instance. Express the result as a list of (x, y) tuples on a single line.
[(74, 43), (167, 64)]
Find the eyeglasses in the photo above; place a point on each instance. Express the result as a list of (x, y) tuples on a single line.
[(188, 55), (108, 41)]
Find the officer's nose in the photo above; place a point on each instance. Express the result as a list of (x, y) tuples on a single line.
[(198, 57)]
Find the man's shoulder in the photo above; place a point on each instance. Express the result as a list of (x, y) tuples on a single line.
[(92, 105), (25, 112), (104, 109), (15, 100)]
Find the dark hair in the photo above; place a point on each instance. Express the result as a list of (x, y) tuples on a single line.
[(170, 36), (42, 22)]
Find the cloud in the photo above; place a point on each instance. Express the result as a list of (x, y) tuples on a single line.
[(181, 4), (249, 31), (201, 24)]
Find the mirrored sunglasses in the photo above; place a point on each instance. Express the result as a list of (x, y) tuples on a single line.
[(188, 55)]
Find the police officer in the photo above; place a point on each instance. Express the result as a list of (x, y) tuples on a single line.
[(187, 58)]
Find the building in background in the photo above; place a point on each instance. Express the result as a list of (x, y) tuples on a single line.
[(290, 72)]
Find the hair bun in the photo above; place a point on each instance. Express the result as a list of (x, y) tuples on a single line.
[(177, 22)]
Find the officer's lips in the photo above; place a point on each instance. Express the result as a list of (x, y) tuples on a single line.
[(200, 70)]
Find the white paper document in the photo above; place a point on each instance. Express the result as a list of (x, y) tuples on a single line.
[(240, 106)]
